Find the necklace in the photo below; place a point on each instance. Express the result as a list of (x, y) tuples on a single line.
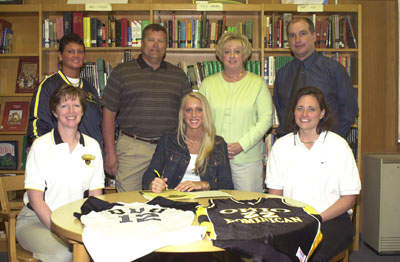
[(233, 77), (193, 141)]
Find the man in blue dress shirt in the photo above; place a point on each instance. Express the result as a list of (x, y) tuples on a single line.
[(316, 70)]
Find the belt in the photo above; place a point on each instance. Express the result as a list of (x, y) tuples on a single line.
[(147, 140)]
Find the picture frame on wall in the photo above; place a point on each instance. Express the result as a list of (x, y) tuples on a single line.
[(11, 2), (15, 116), (9, 155), (28, 74)]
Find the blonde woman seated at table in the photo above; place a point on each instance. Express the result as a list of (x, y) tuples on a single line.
[(241, 106), (193, 158), (316, 166), (61, 166)]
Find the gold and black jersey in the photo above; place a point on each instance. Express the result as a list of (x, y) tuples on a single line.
[(292, 230)]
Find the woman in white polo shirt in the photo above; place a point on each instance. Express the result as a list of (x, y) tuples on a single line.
[(61, 166), (317, 167)]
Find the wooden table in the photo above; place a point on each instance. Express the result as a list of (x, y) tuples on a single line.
[(69, 228)]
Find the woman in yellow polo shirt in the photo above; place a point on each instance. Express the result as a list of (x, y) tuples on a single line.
[(241, 106)]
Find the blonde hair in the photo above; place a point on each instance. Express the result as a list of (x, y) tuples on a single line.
[(233, 36), (207, 139)]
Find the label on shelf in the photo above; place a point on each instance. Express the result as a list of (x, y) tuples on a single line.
[(98, 7), (209, 7), (310, 8)]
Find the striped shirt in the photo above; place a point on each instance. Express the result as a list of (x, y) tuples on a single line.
[(147, 100)]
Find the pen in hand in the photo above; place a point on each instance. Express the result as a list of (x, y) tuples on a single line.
[(158, 174)]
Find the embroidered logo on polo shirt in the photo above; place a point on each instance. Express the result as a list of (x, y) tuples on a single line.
[(88, 158), (90, 98)]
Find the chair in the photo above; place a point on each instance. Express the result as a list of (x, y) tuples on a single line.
[(9, 212), (343, 256)]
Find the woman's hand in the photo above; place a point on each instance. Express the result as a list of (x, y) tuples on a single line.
[(234, 149), (40, 207), (188, 186), (158, 184)]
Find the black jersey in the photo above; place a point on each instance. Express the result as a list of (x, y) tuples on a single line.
[(292, 230)]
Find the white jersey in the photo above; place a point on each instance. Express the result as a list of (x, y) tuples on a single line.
[(128, 232)]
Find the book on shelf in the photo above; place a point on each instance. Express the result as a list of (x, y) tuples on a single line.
[(101, 74), (324, 34), (9, 155), (60, 28), (27, 75), (93, 32), (136, 28), (67, 18), (350, 36), (3, 32), (77, 23), (287, 17), (15, 116), (192, 77), (188, 34), (46, 33), (248, 30), (118, 32), (352, 140), (25, 151), (87, 38), (317, 27), (124, 32), (7, 45)]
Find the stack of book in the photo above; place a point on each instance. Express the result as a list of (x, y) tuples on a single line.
[(94, 32), (197, 72), (201, 33), (332, 32), (272, 64), (96, 73)]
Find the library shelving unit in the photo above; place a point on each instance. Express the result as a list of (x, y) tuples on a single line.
[(26, 24)]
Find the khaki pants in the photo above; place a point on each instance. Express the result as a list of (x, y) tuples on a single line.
[(34, 236), (134, 158), (248, 176)]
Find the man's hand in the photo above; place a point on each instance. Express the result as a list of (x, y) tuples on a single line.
[(111, 164)]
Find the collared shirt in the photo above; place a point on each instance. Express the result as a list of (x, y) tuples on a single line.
[(318, 176), (327, 75), (147, 100), (242, 112), (63, 176)]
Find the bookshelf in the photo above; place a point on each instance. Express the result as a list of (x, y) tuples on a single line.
[(28, 41)]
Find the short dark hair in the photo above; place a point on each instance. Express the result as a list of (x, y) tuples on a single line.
[(67, 91), (325, 124), (298, 19), (70, 38), (155, 28)]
